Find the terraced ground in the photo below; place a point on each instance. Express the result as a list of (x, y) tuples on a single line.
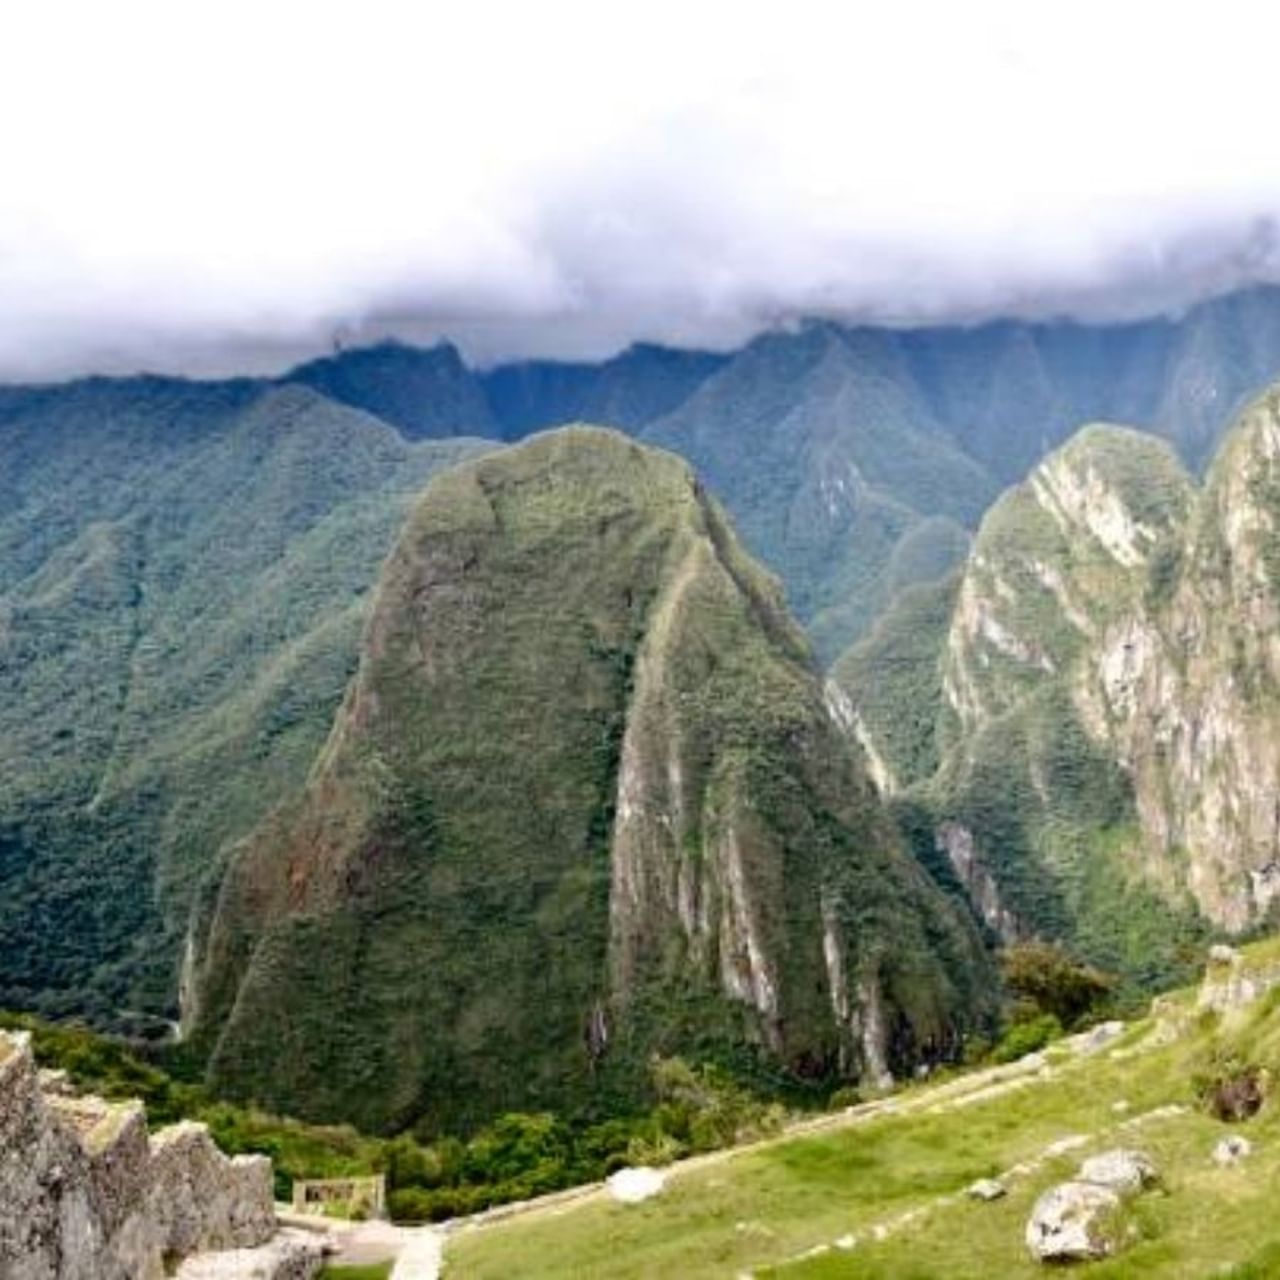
[(878, 1191)]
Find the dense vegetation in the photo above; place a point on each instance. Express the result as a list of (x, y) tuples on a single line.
[(969, 691), (183, 579), (185, 569), (691, 1109)]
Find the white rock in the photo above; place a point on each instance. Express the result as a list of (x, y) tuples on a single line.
[(288, 1257), (1070, 1222), (1120, 1106), (1102, 1035), (1124, 1171), (1232, 1149), (1220, 953), (846, 1243), (632, 1186), (986, 1189)]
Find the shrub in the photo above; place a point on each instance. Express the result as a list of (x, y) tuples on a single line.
[(1044, 976), (1229, 1086), (846, 1096), (1027, 1037)]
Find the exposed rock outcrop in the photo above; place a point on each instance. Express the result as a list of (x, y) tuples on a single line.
[(87, 1194), (1073, 1222), (1106, 695), (1123, 1171), (291, 1255), (1231, 1150)]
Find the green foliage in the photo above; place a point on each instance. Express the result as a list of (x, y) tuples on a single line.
[(184, 570), (464, 826), (895, 677), (1228, 1084), (1045, 976), (693, 1108), (1027, 1036), (780, 1208), (834, 470)]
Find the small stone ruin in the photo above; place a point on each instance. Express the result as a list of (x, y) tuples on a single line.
[(86, 1193)]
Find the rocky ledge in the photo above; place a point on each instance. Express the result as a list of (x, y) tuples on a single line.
[(86, 1193)]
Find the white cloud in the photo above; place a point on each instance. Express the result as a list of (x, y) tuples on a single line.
[(566, 176)]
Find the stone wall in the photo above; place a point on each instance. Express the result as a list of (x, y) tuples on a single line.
[(87, 1194)]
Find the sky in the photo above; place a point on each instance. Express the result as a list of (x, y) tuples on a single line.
[(206, 187)]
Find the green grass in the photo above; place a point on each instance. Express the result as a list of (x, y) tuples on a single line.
[(759, 1210), (374, 1271)]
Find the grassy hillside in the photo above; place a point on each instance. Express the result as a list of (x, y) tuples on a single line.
[(583, 803), (879, 1192), (183, 579)]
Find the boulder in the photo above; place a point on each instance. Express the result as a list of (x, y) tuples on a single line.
[(1220, 953), (1232, 1149), (1073, 1222), (1096, 1038), (986, 1189), (631, 1186), (1127, 1172)]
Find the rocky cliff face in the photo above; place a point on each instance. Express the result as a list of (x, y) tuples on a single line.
[(86, 1194), (583, 802), (1105, 689)]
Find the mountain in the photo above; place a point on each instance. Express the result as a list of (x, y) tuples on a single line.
[(184, 571), (1087, 717), (583, 801), (427, 393), (627, 391)]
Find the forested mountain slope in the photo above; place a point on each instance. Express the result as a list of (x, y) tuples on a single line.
[(183, 569)]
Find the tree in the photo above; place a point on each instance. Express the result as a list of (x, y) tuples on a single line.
[(1047, 978)]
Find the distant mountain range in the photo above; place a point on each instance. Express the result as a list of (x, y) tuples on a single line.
[(855, 461), (187, 570)]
